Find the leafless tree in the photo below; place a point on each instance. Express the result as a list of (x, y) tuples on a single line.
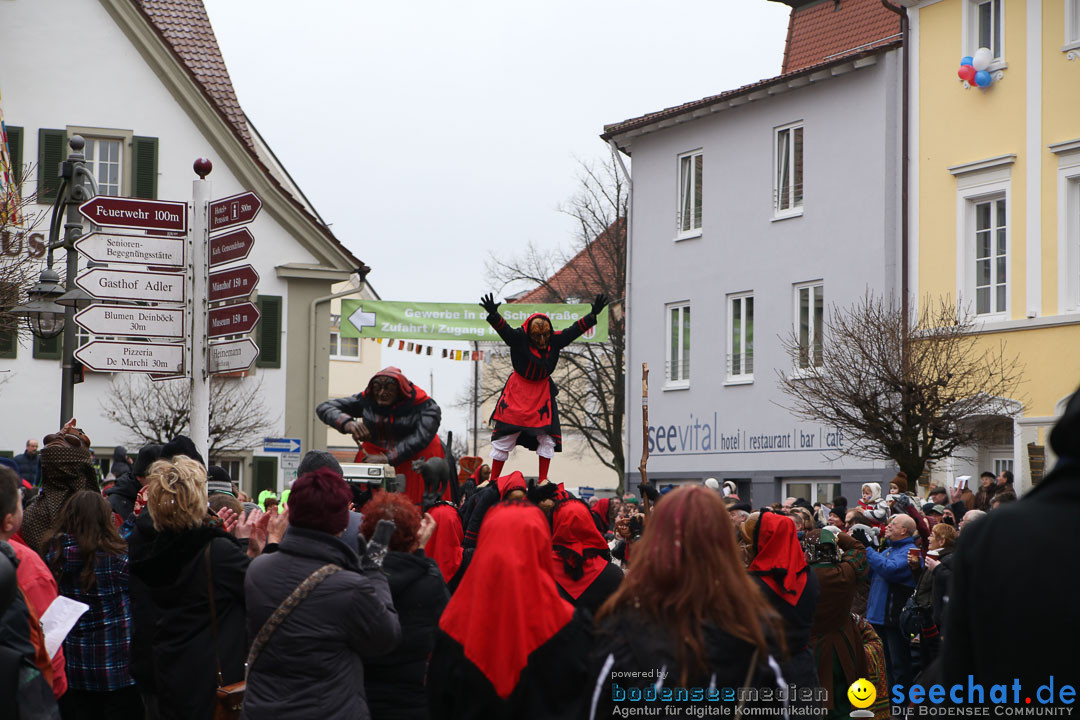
[(22, 249), (156, 412), (912, 395), (591, 376)]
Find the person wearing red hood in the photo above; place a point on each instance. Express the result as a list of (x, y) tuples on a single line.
[(583, 568), (526, 413), (778, 564), (393, 422), (508, 646)]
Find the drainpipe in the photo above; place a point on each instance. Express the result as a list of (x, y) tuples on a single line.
[(626, 308), (312, 355), (904, 123)]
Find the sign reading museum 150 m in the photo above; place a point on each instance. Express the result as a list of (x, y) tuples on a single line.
[(453, 321)]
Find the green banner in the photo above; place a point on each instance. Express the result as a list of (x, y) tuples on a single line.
[(452, 321)]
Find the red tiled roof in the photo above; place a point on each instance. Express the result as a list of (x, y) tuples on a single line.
[(185, 25), (611, 131), (821, 31), (579, 277)]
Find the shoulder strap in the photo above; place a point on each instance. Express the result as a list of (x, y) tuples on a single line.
[(213, 609), (302, 591), (746, 682)]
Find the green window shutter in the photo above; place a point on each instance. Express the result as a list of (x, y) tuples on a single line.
[(48, 349), (264, 470), (144, 167), (50, 154), (268, 332), (15, 144), (9, 339)]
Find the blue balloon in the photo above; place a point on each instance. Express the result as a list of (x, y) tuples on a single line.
[(966, 60), (983, 78)]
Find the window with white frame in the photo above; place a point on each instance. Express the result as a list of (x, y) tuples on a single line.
[(1068, 200), (984, 27), (809, 319), (740, 353), (991, 256), (344, 348), (788, 170), (691, 169), (1072, 23), (678, 346), (813, 490), (104, 156)]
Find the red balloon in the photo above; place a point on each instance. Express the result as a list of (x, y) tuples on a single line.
[(967, 74)]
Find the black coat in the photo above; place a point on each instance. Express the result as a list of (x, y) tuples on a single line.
[(1022, 555), (628, 642), (800, 668), (312, 666), (553, 685), (173, 567), (402, 430), (144, 613), (121, 495), (395, 681), (599, 590)]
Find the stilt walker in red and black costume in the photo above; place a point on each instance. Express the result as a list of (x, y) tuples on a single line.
[(526, 413)]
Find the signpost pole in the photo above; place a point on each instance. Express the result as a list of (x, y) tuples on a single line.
[(198, 271), (72, 231)]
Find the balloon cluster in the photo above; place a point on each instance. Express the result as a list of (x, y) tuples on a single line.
[(973, 68)]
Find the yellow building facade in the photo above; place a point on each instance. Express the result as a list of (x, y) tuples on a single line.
[(994, 193)]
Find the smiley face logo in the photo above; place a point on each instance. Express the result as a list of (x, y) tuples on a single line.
[(862, 693)]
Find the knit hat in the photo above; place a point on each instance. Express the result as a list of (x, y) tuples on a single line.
[(147, 456), (839, 511), (712, 484), (315, 459), (320, 501), (182, 445), (900, 481), (742, 505), (218, 481)]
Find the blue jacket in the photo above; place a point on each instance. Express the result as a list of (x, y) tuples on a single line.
[(29, 468), (888, 567)]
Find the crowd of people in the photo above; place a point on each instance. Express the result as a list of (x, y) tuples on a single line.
[(519, 600)]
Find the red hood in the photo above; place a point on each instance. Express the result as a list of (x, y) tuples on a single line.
[(577, 542), (525, 325), (513, 481), (498, 630), (780, 561), (408, 391), (444, 547)]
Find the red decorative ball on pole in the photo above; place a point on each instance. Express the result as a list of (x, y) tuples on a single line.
[(202, 167)]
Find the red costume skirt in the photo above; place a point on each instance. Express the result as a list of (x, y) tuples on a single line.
[(527, 407), (414, 482)]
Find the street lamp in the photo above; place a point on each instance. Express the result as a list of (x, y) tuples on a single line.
[(43, 315)]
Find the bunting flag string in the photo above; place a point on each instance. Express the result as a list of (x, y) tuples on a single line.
[(447, 354)]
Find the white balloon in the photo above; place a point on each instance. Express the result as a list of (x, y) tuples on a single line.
[(982, 58)]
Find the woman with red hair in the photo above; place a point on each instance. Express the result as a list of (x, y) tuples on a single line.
[(686, 607), (508, 646), (583, 568)]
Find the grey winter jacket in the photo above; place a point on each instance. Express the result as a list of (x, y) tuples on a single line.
[(403, 430), (312, 666)]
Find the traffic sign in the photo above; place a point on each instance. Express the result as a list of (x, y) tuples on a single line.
[(234, 210), (108, 211), (139, 249), (154, 322), (237, 282), (233, 355), (282, 445), (111, 356), (232, 319), (231, 246), (133, 285)]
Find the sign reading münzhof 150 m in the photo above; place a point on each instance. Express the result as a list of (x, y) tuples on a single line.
[(453, 321)]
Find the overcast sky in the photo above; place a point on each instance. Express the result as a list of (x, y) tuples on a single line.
[(430, 134)]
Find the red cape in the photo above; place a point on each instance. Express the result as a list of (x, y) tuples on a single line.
[(573, 529), (507, 604), (780, 562), (603, 507), (444, 547)]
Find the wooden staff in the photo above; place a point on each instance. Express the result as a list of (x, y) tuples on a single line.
[(645, 504)]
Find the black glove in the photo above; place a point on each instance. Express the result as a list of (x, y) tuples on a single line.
[(488, 303), (860, 535), (599, 303), (375, 552), (648, 491), (538, 493)]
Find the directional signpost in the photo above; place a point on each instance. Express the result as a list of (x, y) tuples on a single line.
[(232, 356), (110, 356), (151, 322), (231, 246), (237, 282), (232, 320), (137, 249), (137, 285), (234, 210), (134, 213)]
